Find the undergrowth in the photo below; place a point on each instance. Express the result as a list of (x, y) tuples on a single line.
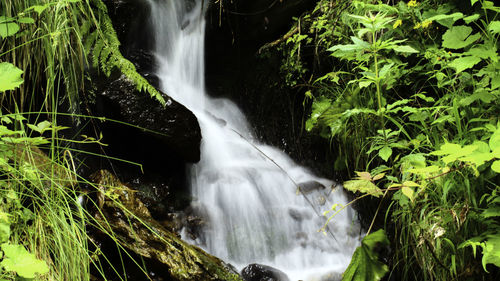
[(408, 92), (45, 46)]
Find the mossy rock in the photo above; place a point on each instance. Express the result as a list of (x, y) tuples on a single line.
[(123, 214)]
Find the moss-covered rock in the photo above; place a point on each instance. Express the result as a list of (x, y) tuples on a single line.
[(124, 215)]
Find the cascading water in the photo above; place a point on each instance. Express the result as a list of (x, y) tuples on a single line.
[(254, 211)]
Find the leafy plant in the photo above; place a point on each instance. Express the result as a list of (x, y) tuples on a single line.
[(409, 94), (365, 264)]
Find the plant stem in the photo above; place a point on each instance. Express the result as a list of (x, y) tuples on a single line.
[(377, 84)]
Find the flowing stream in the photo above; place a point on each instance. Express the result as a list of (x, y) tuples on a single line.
[(248, 191)]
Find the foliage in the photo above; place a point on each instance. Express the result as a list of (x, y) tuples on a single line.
[(43, 226), (10, 77), (409, 93), (364, 263), (17, 259), (104, 46)]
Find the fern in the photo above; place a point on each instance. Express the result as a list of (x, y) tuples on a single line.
[(103, 44)]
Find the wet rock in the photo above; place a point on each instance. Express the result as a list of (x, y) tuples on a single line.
[(310, 186), (299, 215), (131, 20), (255, 83), (259, 272), (165, 255), (173, 127)]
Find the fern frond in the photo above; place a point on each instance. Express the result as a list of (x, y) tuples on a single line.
[(104, 46)]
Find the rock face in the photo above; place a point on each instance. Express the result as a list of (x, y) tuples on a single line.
[(165, 255), (254, 82), (174, 125), (259, 272)]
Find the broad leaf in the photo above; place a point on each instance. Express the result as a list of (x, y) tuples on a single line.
[(491, 212), (318, 108), (39, 8), (496, 166), (491, 251), (365, 265), (8, 29), (408, 192), (472, 18), (464, 63), (457, 37), (385, 153), (446, 20), (10, 77), (25, 264), (495, 140), (484, 96), (405, 49), (363, 186), (494, 26), (4, 232), (364, 176)]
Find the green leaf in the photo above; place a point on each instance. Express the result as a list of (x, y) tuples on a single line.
[(472, 2), (6, 19), (364, 83), (8, 29), (491, 212), (447, 148), (491, 251), (4, 232), (472, 18), (494, 141), (363, 186), (496, 166), (446, 20), (457, 37), (385, 153), (319, 106), (491, 6), (408, 192), (494, 26), (484, 96), (384, 70), (478, 158), (39, 8), (365, 265), (40, 127), (26, 20), (464, 63), (405, 49), (10, 77), (25, 264)]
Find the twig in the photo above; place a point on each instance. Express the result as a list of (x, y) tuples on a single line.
[(280, 40)]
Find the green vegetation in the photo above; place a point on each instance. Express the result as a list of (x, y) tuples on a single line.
[(406, 91), (44, 50), (408, 94)]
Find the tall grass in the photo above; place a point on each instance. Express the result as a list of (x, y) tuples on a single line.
[(40, 189)]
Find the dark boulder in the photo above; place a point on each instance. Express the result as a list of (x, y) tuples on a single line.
[(131, 20), (259, 272), (310, 186), (174, 128)]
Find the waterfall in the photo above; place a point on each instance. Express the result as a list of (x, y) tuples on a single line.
[(247, 190)]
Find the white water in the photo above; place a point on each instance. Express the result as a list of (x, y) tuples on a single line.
[(254, 212)]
